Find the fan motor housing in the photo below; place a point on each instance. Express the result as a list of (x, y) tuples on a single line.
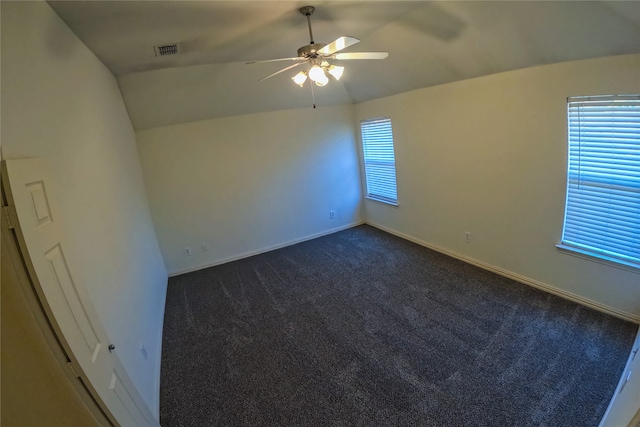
[(310, 50)]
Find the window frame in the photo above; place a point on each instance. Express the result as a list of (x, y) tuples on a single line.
[(363, 146), (574, 246)]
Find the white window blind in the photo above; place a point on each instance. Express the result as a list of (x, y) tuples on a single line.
[(602, 215), (379, 160)]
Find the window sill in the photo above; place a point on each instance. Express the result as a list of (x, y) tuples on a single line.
[(386, 202), (602, 259)]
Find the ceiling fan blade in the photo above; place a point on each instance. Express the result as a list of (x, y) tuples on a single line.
[(281, 71), (338, 44), (297, 58), (361, 55)]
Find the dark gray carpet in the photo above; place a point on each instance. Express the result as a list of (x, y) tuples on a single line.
[(363, 328)]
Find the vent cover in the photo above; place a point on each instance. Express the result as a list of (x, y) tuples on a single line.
[(167, 49)]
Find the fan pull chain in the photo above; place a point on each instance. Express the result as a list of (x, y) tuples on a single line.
[(313, 94)]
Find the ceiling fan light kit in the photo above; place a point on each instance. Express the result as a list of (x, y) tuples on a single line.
[(317, 55)]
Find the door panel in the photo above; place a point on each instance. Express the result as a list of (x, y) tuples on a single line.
[(62, 277), (121, 392), (61, 288)]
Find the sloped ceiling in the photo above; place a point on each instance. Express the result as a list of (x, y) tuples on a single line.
[(429, 43)]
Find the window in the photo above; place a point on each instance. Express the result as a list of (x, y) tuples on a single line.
[(602, 215), (379, 160)]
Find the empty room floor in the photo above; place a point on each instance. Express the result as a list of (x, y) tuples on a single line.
[(363, 328)]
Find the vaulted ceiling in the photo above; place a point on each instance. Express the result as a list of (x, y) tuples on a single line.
[(429, 43)]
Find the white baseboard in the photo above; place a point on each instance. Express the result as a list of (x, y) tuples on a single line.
[(506, 273), (517, 277), (266, 249)]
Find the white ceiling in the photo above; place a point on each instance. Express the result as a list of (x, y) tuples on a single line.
[(429, 43)]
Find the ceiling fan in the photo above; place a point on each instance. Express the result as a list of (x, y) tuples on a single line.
[(317, 56)]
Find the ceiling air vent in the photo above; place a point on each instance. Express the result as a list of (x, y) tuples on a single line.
[(167, 49)]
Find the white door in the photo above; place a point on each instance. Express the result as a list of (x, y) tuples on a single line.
[(624, 409), (63, 294)]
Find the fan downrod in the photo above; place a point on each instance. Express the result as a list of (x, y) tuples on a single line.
[(308, 11)]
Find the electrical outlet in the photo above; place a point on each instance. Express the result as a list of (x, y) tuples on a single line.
[(205, 247), (467, 236), (187, 251), (332, 214), (143, 351)]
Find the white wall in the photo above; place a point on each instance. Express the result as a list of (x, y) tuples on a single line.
[(60, 103), (489, 156), (247, 183)]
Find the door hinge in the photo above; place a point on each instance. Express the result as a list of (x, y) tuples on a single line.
[(10, 215), (73, 370)]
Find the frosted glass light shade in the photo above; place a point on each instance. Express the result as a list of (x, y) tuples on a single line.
[(317, 74), (323, 80), (336, 71), (300, 78)]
